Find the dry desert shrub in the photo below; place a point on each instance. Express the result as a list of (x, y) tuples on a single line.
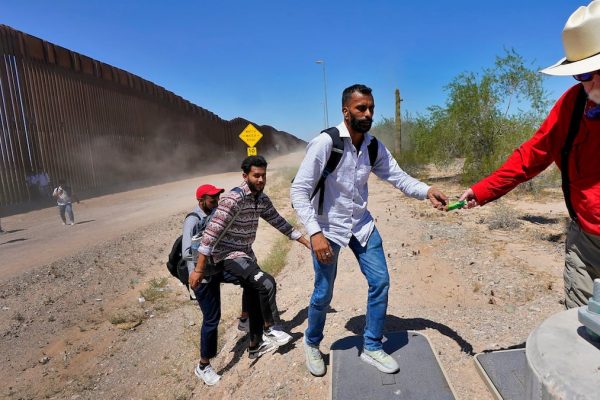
[(127, 318), (503, 217), (156, 289)]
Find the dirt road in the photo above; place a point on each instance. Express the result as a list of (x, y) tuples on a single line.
[(467, 287)]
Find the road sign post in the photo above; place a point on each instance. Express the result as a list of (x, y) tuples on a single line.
[(250, 135)]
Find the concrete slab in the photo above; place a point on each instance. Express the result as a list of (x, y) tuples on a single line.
[(420, 376), (505, 372)]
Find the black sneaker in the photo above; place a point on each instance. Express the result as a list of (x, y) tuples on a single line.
[(263, 347)]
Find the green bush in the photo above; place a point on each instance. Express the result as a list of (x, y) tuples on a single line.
[(485, 118)]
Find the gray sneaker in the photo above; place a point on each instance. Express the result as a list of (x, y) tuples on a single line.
[(381, 360), (314, 360)]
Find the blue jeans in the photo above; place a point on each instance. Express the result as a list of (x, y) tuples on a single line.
[(371, 260), (208, 296), (68, 208)]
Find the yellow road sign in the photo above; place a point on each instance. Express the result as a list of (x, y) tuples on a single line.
[(252, 151), (250, 135)]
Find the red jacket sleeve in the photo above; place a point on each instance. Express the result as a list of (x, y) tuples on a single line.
[(533, 156)]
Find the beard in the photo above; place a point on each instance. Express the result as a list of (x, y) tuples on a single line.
[(254, 188), (594, 95), (360, 125)]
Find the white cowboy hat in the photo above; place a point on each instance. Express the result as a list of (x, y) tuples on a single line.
[(581, 40)]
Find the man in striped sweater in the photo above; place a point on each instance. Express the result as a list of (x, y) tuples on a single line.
[(227, 242)]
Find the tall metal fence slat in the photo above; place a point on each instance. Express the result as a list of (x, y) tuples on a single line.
[(69, 116)]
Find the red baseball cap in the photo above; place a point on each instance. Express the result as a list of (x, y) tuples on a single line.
[(208, 190)]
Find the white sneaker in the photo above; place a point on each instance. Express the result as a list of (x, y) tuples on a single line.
[(276, 335), (314, 360), (208, 375), (263, 347), (380, 360), (244, 324)]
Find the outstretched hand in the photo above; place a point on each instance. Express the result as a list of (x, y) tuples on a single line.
[(438, 199), (469, 197)]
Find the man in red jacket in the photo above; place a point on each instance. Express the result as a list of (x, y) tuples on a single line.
[(569, 137)]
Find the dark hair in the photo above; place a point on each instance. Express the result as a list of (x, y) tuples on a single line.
[(357, 87), (253, 161)]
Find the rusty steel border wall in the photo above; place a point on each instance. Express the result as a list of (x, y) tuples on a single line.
[(67, 115)]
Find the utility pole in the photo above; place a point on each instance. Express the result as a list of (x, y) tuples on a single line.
[(398, 135), (325, 111)]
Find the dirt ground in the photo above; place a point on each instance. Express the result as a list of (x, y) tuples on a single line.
[(90, 312)]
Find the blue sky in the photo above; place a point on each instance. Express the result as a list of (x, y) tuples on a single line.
[(256, 59)]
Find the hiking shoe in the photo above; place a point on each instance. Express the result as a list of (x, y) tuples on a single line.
[(276, 335), (263, 347), (380, 360), (314, 360), (244, 324), (208, 375)]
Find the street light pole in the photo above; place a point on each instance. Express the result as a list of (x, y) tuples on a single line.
[(326, 112)]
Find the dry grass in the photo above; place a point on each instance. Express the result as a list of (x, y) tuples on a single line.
[(156, 289), (277, 257), (127, 318)]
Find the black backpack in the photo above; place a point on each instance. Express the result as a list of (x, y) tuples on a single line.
[(176, 263), (334, 160)]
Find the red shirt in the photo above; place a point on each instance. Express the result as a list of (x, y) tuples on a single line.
[(533, 156)]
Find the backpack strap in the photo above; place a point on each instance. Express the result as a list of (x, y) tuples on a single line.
[(240, 191), (194, 214), (334, 159), (373, 149), (566, 150)]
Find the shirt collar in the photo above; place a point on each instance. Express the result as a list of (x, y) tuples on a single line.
[(247, 192)]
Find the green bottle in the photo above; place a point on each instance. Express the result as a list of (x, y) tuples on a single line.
[(456, 205)]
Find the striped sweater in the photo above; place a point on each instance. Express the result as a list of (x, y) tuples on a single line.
[(237, 241)]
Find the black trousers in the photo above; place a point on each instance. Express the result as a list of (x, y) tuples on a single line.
[(261, 297)]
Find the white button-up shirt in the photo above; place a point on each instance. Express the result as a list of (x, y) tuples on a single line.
[(346, 191)]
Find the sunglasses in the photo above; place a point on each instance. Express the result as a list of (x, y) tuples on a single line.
[(586, 76)]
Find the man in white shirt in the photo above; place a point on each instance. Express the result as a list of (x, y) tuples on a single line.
[(338, 217)]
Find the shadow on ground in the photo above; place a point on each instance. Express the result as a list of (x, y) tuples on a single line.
[(393, 323)]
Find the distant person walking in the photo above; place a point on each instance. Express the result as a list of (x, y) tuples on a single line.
[(64, 196), (569, 137), (338, 217), (227, 242)]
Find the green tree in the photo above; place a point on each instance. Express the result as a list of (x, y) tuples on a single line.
[(485, 117)]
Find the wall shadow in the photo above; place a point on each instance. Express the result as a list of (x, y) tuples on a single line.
[(14, 241)]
